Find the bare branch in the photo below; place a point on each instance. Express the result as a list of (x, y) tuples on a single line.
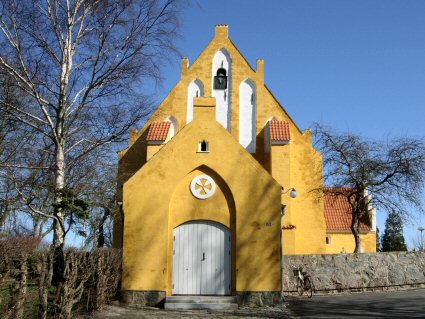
[(392, 173)]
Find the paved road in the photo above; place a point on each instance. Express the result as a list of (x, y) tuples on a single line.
[(398, 304)]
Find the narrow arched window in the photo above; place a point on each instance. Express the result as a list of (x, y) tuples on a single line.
[(247, 115), (174, 127), (195, 89), (203, 146)]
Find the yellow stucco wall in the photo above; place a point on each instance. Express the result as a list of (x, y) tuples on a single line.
[(344, 242), (300, 167), (152, 149), (153, 185), (306, 211), (157, 199)]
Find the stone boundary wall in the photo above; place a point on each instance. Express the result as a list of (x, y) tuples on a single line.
[(357, 272)]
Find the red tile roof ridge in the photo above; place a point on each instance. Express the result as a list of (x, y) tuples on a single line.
[(279, 130), (158, 131), (338, 212), (338, 187)]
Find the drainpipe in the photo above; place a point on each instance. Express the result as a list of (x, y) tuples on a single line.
[(293, 194), (282, 213)]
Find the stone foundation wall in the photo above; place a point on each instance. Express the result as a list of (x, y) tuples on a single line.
[(144, 298), (259, 298), (244, 298), (358, 272)]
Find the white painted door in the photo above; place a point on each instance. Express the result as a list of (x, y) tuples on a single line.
[(202, 259)]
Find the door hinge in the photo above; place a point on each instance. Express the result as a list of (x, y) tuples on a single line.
[(173, 286), (174, 238), (229, 252), (174, 252)]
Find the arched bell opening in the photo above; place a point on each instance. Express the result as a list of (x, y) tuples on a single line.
[(222, 86)]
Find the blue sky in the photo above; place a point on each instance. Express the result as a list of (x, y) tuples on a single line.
[(357, 66)]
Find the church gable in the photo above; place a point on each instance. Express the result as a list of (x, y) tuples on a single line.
[(186, 147), (243, 102), (182, 187), (249, 113)]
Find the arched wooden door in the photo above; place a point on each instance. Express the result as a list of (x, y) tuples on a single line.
[(202, 259)]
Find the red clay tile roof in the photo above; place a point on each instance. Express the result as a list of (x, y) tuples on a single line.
[(158, 131), (279, 131), (338, 211)]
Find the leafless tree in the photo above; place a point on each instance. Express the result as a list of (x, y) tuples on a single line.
[(23, 181), (80, 64), (24, 194), (418, 243), (95, 182), (389, 176), (102, 207), (8, 128)]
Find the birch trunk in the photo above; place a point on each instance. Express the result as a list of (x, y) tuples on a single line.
[(59, 222), (66, 65), (45, 282), (19, 289)]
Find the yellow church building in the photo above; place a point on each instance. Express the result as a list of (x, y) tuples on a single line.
[(206, 188)]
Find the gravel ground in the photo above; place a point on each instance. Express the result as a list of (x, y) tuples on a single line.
[(125, 312)]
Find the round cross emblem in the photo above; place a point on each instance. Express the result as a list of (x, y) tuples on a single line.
[(202, 186)]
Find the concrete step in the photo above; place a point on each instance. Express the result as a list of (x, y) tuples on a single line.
[(201, 299), (192, 306), (201, 302)]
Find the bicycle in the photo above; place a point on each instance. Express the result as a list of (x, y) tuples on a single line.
[(304, 282)]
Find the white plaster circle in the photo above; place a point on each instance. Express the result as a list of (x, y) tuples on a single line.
[(202, 186)]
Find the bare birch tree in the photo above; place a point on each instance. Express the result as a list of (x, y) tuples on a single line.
[(8, 128), (80, 65), (18, 150), (389, 176), (98, 226)]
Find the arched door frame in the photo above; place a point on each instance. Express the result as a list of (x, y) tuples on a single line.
[(202, 259), (175, 219)]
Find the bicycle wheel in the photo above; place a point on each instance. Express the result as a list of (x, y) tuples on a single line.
[(300, 287), (309, 287)]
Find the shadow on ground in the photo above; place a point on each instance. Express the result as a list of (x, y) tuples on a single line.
[(123, 312), (399, 304)]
